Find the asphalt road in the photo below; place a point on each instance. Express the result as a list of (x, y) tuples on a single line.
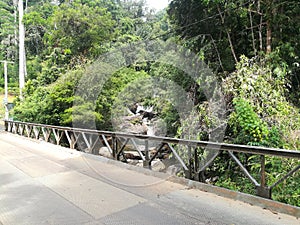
[(45, 184)]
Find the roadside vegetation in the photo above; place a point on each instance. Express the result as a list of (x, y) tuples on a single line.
[(251, 46)]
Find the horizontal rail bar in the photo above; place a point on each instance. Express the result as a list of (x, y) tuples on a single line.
[(204, 144)]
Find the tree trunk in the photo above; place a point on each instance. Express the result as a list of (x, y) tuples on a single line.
[(21, 49), (270, 12), (15, 2), (269, 38), (260, 27), (229, 37), (252, 33)]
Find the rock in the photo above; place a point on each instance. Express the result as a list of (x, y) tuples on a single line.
[(158, 166), (103, 151), (211, 180), (148, 115), (140, 163), (134, 156), (132, 162), (139, 120), (173, 169), (157, 127), (133, 128), (129, 155), (133, 108)]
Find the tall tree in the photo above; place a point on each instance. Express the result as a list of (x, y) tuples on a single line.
[(237, 27), (8, 41), (8, 37)]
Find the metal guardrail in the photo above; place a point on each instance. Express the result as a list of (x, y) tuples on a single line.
[(119, 143)]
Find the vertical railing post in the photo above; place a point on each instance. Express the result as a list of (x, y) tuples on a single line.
[(114, 146), (146, 162), (189, 173), (73, 140), (11, 127), (263, 190), (263, 171), (6, 125), (196, 165)]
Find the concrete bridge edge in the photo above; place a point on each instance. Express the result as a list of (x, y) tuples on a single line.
[(273, 206)]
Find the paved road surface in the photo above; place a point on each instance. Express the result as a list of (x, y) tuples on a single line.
[(45, 184)]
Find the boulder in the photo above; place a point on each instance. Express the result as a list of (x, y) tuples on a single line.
[(158, 166), (173, 169), (104, 151)]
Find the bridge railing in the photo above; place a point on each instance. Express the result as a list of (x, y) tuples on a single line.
[(188, 154)]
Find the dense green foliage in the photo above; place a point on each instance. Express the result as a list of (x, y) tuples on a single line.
[(267, 108), (251, 46), (255, 48), (8, 42)]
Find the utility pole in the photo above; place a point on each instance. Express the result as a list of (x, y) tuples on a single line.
[(21, 49), (6, 89)]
